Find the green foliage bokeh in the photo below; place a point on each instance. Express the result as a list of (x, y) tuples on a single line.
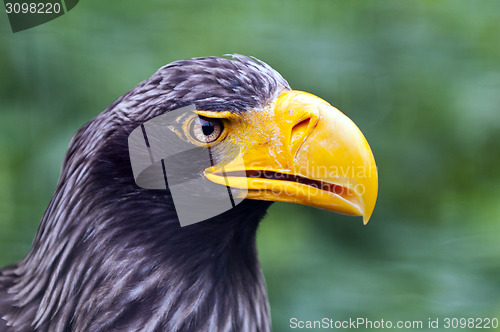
[(421, 79)]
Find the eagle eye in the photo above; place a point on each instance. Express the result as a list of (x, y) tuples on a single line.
[(206, 130)]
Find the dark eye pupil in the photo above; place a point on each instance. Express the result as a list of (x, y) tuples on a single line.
[(207, 127), (206, 130)]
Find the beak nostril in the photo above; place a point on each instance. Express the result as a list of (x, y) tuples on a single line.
[(300, 129)]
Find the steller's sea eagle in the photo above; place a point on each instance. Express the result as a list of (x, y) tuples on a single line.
[(110, 255)]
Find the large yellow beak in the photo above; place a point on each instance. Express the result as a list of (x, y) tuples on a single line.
[(300, 149)]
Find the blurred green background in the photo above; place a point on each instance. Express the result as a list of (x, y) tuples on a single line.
[(421, 79)]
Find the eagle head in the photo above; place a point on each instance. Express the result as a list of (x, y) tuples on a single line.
[(110, 254)]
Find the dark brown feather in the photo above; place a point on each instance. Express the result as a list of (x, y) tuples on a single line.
[(110, 256)]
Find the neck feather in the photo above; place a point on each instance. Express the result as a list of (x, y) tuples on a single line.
[(111, 257)]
